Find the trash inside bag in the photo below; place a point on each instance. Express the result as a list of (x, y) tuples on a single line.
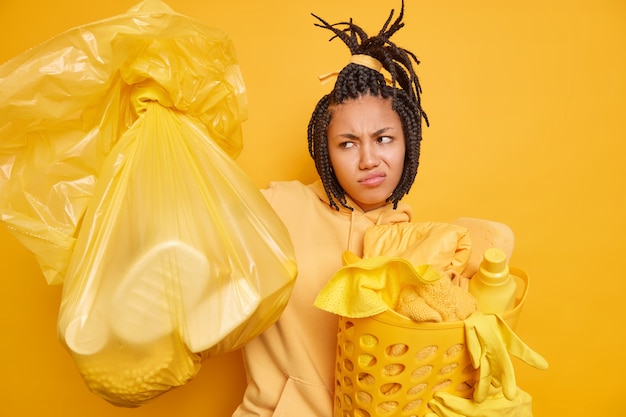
[(179, 256), (117, 142)]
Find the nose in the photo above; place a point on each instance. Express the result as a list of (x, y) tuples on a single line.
[(368, 157)]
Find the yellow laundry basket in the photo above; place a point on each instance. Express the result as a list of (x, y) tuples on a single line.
[(388, 365)]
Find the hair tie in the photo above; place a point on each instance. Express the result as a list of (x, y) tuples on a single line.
[(359, 59), (366, 61)]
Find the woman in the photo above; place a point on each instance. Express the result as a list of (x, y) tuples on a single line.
[(365, 139)]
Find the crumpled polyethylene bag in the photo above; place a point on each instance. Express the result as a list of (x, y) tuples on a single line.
[(444, 246), (65, 103), (117, 171)]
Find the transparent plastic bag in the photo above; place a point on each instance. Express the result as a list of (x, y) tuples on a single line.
[(179, 255), (117, 171), (65, 103)]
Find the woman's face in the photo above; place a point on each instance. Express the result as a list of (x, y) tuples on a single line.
[(366, 148)]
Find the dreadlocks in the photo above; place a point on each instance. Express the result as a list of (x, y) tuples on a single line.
[(356, 80)]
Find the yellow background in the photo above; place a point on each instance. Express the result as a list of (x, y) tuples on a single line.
[(526, 102)]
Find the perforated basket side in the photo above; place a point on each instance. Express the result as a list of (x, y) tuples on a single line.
[(384, 369), (388, 365)]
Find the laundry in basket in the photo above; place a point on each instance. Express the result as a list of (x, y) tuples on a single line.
[(390, 365)]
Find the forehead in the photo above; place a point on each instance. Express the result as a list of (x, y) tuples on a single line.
[(366, 109)]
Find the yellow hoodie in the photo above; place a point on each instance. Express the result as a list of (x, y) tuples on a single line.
[(290, 367)]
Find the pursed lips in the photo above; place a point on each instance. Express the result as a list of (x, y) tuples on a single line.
[(372, 180)]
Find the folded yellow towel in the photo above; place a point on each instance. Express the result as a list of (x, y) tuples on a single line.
[(436, 302), (412, 305)]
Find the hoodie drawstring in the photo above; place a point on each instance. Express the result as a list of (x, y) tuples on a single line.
[(350, 230)]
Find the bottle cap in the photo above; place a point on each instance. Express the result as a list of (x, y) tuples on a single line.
[(494, 269)]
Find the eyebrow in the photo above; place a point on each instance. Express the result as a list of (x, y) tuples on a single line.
[(379, 132)]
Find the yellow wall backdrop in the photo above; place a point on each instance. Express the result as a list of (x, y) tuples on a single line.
[(526, 102)]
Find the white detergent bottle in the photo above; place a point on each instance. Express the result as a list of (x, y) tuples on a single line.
[(492, 285)]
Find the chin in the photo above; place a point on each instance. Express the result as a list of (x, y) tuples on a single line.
[(372, 204)]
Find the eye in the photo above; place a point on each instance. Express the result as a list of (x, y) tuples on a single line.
[(385, 139), (346, 145)]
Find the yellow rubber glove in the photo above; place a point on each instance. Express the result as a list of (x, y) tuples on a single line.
[(489, 341), (496, 404)]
